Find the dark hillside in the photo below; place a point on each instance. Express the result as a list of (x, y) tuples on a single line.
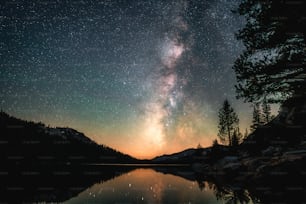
[(30, 143)]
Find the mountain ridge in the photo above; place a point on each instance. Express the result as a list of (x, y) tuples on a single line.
[(25, 141), (19, 131)]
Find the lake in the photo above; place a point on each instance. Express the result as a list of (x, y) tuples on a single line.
[(146, 186), (140, 184)]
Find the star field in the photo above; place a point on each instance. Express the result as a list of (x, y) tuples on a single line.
[(144, 77)]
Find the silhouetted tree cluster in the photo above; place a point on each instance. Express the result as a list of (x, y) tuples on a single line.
[(266, 110), (237, 136), (256, 121), (273, 63), (228, 125), (261, 114)]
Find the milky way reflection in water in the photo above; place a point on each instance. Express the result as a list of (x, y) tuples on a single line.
[(146, 186)]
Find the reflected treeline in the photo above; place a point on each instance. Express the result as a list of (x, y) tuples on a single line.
[(275, 189), (52, 183), (229, 194)]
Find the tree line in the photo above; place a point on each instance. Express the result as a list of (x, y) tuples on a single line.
[(228, 126)]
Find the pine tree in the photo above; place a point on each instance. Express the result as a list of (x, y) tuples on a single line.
[(273, 63), (228, 122), (257, 117), (236, 137), (266, 110)]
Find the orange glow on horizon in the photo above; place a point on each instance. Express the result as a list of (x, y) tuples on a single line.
[(149, 151), (147, 140)]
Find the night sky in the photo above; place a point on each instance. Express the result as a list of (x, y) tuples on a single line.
[(145, 77)]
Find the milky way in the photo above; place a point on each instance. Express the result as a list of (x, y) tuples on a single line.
[(144, 77)]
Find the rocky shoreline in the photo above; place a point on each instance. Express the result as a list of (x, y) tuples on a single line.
[(270, 164)]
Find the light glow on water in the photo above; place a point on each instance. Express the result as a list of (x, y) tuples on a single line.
[(146, 186)]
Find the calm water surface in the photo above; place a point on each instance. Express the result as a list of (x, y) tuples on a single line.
[(147, 186)]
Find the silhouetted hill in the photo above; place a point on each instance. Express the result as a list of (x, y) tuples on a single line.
[(187, 156), (287, 132), (29, 143)]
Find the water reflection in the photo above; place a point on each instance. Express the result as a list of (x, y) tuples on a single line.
[(51, 183), (231, 195), (128, 184), (146, 186)]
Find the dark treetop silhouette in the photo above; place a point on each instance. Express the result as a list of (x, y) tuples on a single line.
[(273, 64)]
